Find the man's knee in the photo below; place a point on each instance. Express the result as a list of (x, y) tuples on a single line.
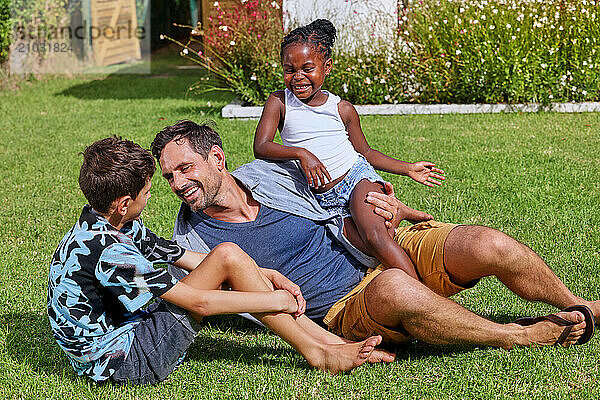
[(395, 291), (487, 246)]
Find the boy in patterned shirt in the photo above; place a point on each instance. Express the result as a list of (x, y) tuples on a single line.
[(104, 272)]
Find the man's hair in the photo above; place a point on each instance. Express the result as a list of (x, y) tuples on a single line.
[(201, 137), (113, 168)]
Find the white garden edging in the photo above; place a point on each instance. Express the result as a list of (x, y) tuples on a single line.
[(236, 110)]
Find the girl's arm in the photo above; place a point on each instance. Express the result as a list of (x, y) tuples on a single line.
[(272, 119), (423, 171)]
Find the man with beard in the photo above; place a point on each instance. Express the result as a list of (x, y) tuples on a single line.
[(268, 210)]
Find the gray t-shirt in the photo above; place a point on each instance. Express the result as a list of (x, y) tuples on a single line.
[(299, 248)]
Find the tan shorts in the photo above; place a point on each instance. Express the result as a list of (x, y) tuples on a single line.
[(424, 244)]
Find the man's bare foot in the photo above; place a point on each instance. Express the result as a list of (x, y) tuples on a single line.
[(594, 306), (546, 333), (336, 358)]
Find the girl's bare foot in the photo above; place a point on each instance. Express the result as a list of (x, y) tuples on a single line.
[(546, 333), (336, 358)]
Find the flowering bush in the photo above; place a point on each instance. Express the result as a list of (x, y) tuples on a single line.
[(241, 47), (505, 50), (461, 51)]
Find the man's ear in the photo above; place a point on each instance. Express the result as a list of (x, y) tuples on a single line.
[(328, 66), (219, 157)]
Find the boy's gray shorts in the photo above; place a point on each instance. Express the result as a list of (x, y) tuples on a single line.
[(159, 345)]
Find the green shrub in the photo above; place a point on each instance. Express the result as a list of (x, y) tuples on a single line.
[(5, 29), (459, 51), (505, 50)]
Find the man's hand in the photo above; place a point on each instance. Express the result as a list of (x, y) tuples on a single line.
[(426, 173), (386, 205), (281, 282), (393, 210)]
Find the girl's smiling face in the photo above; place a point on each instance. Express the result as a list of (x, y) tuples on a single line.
[(304, 72)]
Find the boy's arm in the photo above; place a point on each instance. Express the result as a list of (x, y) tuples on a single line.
[(212, 302), (422, 171), (265, 148), (190, 260)]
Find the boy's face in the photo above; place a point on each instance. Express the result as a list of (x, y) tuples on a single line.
[(135, 208)]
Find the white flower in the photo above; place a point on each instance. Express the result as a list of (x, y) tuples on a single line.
[(543, 65), (232, 43), (224, 28), (458, 52), (585, 63), (382, 80), (387, 97), (274, 65), (448, 64), (560, 28), (162, 37), (492, 27), (584, 92), (550, 96), (253, 77), (461, 10), (513, 37), (508, 26), (345, 88), (185, 51), (483, 17), (359, 60), (275, 5), (216, 4), (368, 81)]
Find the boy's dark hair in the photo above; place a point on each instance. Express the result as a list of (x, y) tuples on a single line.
[(112, 168), (201, 137), (319, 33)]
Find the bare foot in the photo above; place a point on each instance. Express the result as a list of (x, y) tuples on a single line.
[(546, 333), (594, 306), (338, 358), (380, 355), (377, 356)]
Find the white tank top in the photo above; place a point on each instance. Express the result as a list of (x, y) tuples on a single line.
[(319, 130)]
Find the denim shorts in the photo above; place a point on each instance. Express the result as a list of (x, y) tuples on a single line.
[(159, 345), (336, 200)]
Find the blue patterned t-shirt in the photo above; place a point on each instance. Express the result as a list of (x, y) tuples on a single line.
[(100, 278)]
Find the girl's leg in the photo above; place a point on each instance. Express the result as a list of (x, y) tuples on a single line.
[(373, 232), (227, 263)]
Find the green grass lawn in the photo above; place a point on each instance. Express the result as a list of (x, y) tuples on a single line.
[(534, 176)]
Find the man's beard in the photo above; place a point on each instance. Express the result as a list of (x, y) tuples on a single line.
[(204, 199)]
